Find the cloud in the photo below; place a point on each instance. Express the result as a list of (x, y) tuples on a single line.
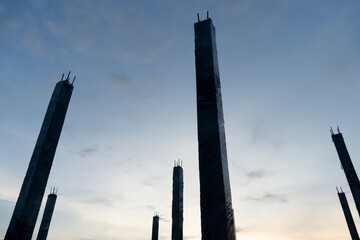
[(50, 29), (239, 229), (122, 81), (256, 174), (153, 180), (69, 129), (90, 151), (2, 8), (146, 183), (75, 26), (97, 198), (164, 219), (24, 33), (134, 90), (82, 28), (268, 198), (131, 91), (261, 134), (99, 128), (131, 115), (150, 207), (127, 165)]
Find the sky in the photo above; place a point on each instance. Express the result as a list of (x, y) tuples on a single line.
[(289, 70)]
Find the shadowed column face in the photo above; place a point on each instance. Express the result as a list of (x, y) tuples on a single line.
[(27, 207), (46, 219), (217, 221), (155, 228), (177, 204), (348, 168), (348, 216)]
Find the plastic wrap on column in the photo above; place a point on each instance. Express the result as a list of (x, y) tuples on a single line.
[(177, 204), (155, 228), (217, 220)]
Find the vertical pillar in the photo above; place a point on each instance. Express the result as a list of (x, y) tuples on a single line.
[(347, 166), (46, 219), (28, 204), (155, 228), (217, 220), (177, 203), (348, 216)]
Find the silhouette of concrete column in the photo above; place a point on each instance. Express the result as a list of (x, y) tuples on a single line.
[(28, 204), (217, 220), (347, 166), (177, 203), (46, 219), (155, 228), (349, 219)]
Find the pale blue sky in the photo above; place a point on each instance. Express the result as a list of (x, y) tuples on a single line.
[(289, 70)]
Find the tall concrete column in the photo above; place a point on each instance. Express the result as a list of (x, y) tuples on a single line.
[(28, 204), (347, 166), (46, 219), (349, 219), (217, 220), (177, 203), (155, 228)]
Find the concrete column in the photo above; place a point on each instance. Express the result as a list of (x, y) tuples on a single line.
[(217, 220), (177, 203), (46, 219), (155, 228), (349, 219), (348, 167), (28, 204)]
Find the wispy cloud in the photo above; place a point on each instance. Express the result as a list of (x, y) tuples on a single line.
[(261, 134), (268, 198), (89, 151), (122, 81), (81, 28), (25, 33), (152, 180), (97, 200), (99, 128), (164, 219), (239, 229), (150, 207), (135, 90), (69, 129), (256, 174), (92, 197)]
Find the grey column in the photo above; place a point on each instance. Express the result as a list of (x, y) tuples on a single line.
[(46, 219), (28, 204), (177, 204), (349, 219), (217, 220), (155, 228), (348, 167)]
